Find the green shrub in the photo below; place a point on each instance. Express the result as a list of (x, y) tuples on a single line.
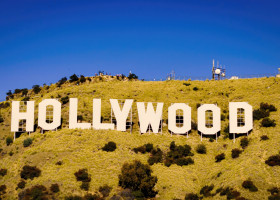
[(110, 146), (137, 176), (211, 140), (1, 119), (206, 190), (3, 172), (220, 157), (82, 79), (229, 192), (9, 140), (105, 190), (156, 156), (191, 196), (178, 152), (21, 184), (186, 84), (235, 153), (184, 161), (144, 148), (248, 184), (273, 160), (82, 175), (132, 76), (267, 122), (275, 193), (201, 148), (30, 172), (264, 137), (36, 89), (85, 186), (61, 81), (74, 78), (195, 88), (260, 114), (64, 100), (2, 189), (54, 188), (36, 192), (244, 142), (27, 142), (269, 107)]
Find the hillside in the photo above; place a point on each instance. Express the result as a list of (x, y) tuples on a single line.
[(78, 149)]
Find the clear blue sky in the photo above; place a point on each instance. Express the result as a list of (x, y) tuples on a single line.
[(43, 41)]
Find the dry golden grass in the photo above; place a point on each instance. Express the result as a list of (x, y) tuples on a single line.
[(82, 148)]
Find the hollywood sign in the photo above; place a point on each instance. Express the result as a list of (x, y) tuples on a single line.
[(147, 116)]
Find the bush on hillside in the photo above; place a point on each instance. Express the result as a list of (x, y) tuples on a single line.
[(36, 89), (109, 147), (201, 148), (206, 190), (27, 142), (144, 148), (4, 105), (244, 142), (137, 177), (82, 79), (9, 140), (61, 81), (54, 188), (260, 114), (191, 196), (85, 186), (82, 175), (229, 192), (2, 189), (74, 78), (21, 184), (132, 76), (235, 153), (220, 157), (273, 160), (248, 184), (64, 100), (105, 190), (269, 107), (156, 156), (177, 155), (35, 192), (275, 193), (3, 172), (267, 122), (30, 172), (264, 137)]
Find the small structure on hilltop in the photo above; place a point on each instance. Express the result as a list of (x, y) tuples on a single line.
[(278, 75), (218, 72), (171, 76)]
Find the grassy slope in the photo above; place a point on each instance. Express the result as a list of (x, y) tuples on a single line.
[(80, 149)]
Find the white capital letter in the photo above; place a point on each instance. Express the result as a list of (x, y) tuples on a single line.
[(28, 116), (248, 117), (149, 116), (121, 115), (216, 119), (186, 118), (96, 117), (73, 107), (56, 114)]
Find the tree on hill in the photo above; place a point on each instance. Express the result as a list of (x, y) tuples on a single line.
[(82, 79), (132, 76), (74, 78), (36, 89), (9, 93), (61, 81)]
